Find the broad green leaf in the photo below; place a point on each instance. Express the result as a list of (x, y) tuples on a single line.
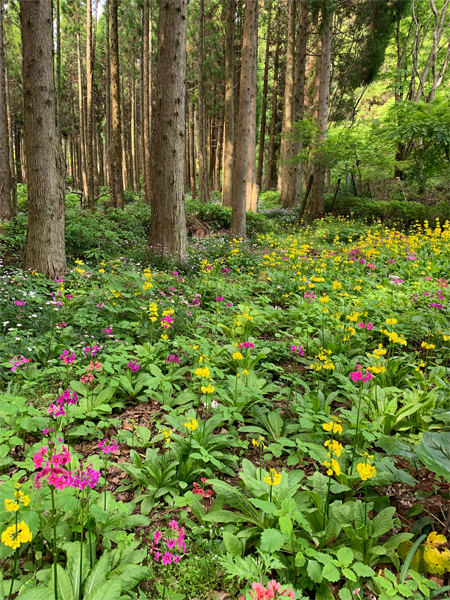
[(348, 574), (363, 570), (130, 575), (39, 593), (232, 544), (434, 452), (286, 525), (98, 573), (345, 594), (64, 585), (344, 556), (74, 568), (225, 516), (267, 507), (272, 540), (110, 590), (331, 573), (314, 570), (383, 522)]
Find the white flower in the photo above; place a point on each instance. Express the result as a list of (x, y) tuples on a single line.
[(5, 323)]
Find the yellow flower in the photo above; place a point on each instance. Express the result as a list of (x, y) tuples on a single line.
[(391, 321), (202, 372), (191, 424), (15, 536), (273, 478), (366, 471), (11, 505), (333, 467), (334, 447), (337, 285), (333, 426), (79, 262), (428, 346), (245, 372), (237, 356), (208, 390), (164, 337), (101, 270)]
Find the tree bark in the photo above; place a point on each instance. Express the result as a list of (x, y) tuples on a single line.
[(217, 185), (268, 183), (115, 105), (317, 195), (192, 147), (6, 210), (283, 166), (168, 222), (81, 109), (228, 142), (89, 111), (238, 217), (44, 247), (252, 190), (10, 140), (58, 71), (293, 183), (262, 131), (18, 152), (108, 115), (203, 181), (146, 99)]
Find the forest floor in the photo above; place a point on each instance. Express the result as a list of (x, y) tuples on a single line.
[(284, 399)]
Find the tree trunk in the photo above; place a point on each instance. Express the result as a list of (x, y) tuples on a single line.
[(317, 195), (228, 142), (44, 247), (10, 140), (89, 111), (262, 131), (217, 185), (58, 71), (192, 146), (6, 211), (123, 118), (238, 217), (252, 191), (293, 182), (133, 136), (115, 106), (18, 152), (268, 184), (203, 181), (82, 118), (285, 154), (168, 223), (146, 100), (108, 130)]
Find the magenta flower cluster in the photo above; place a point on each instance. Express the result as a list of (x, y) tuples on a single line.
[(166, 322), (16, 362), (68, 397), (360, 376), (91, 350), (107, 446), (368, 326), (133, 366), (83, 479), (246, 345), (68, 357), (297, 350), (52, 470), (19, 302), (172, 358), (178, 543)]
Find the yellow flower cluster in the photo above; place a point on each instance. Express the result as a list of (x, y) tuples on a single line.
[(237, 356), (19, 498), (207, 389), (394, 337), (325, 362), (333, 426), (273, 478), (166, 433), (153, 312), (334, 451), (427, 346), (259, 442), (202, 372), (391, 321), (14, 536), (191, 424), (366, 471)]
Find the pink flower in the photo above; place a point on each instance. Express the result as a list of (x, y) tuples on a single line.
[(173, 525), (369, 326), (171, 544), (156, 536), (167, 558), (176, 558)]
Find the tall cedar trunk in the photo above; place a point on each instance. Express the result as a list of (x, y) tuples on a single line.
[(252, 192), (228, 138), (6, 211), (203, 180), (101, 173), (317, 195), (146, 99), (292, 182), (10, 141), (217, 185), (58, 71), (82, 119), (133, 134), (285, 148), (123, 119), (108, 115), (238, 216), (44, 247), (18, 152), (192, 147), (141, 114), (89, 110), (168, 223), (270, 165), (115, 105), (262, 131)]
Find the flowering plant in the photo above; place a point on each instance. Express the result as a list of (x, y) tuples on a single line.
[(273, 591)]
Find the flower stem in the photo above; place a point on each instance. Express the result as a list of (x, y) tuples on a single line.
[(14, 567), (81, 543), (357, 428), (104, 487), (55, 557)]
